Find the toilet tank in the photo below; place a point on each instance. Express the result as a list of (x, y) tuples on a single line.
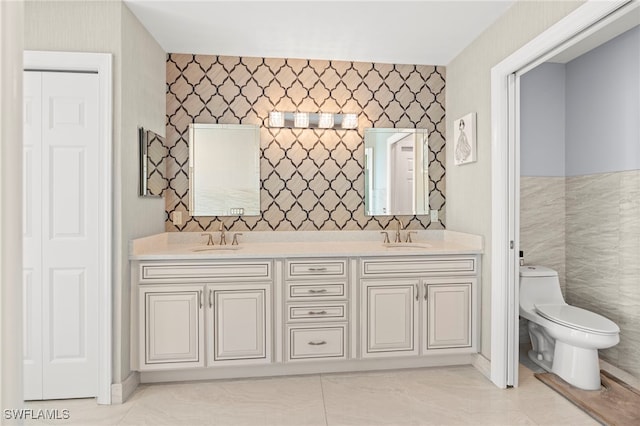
[(539, 285)]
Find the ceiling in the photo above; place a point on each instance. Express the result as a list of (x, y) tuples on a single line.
[(402, 32)]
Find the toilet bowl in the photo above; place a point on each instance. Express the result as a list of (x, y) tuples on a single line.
[(565, 339)]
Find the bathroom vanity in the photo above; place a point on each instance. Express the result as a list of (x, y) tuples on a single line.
[(301, 302)]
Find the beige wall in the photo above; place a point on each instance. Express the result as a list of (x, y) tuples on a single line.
[(469, 90), (10, 197), (143, 104), (138, 100)]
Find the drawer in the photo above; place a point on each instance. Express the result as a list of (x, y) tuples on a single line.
[(419, 266), (210, 271), (317, 342), (318, 312), (317, 268), (320, 290)]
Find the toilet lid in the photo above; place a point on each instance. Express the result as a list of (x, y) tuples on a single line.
[(578, 318)]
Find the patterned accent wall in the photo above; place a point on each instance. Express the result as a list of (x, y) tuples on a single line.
[(311, 179)]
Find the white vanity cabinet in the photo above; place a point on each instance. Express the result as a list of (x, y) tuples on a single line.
[(448, 312), (202, 314), (316, 303), (390, 315), (239, 318), (418, 305), (172, 319), (301, 304)]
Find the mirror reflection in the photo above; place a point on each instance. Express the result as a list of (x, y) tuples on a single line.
[(224, 170), (396, 171), (153, 154)]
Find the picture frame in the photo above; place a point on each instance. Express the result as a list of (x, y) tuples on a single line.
[(464, 140)]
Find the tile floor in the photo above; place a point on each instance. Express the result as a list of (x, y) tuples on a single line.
[(430, 396)]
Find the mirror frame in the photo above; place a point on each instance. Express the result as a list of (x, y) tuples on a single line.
[(197, 211), (143, 144), (424, 167)]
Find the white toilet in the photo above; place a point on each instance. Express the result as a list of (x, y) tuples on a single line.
[(565, 338)]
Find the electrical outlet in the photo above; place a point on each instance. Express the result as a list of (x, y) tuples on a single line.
[(176, 218), (434, 215), (236, 211)]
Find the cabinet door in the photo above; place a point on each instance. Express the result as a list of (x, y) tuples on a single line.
[(448, 314), (173, 327), (390, 314), (240, 321)]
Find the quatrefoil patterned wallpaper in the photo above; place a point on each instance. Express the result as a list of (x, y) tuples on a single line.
[(311, 179)]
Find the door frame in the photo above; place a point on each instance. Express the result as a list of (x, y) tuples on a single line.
[(100, 63), (505, 186)]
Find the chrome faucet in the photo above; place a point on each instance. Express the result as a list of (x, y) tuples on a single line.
[(399, 227), (223, 237), (210, 240)]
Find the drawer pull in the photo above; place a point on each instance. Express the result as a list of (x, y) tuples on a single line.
[(323, 269), (317, 343), (317, 313), (314, 291)]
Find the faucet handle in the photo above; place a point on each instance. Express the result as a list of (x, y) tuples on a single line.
[(210, 240), (235, 238), (408, 240), (221, 228), (386, 237)]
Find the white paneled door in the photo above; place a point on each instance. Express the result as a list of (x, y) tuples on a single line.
[(61, 241)]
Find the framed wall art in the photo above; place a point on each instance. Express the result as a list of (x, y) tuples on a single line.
[(464, 139)]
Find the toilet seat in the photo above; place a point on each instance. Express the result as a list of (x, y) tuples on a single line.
[(578, 318)]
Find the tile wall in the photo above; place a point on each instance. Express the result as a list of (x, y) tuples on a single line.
[(542, 207), (310, 179), (589, 226), (603, 256)]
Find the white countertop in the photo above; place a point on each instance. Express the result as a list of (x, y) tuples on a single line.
[(276, 244)]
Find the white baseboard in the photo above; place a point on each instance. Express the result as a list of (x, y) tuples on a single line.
[(120, 392), (482, 364), (304, 367)]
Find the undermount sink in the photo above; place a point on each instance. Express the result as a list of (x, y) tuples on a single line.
[(216, 248), (406, 245)]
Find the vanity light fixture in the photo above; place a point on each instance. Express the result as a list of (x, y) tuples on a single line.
[(301, 119), (325, 120), (350, 121), (276, 119), (310, 120)]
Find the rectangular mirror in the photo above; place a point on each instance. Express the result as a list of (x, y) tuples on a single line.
[(224, 170), (153, 153), (396, 171)]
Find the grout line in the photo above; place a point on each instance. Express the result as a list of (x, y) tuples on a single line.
[(324, 403)]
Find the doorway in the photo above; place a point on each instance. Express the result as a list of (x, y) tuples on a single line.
[(67, 209), (506, 171)]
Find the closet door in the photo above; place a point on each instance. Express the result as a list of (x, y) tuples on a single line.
[(69, 243)]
